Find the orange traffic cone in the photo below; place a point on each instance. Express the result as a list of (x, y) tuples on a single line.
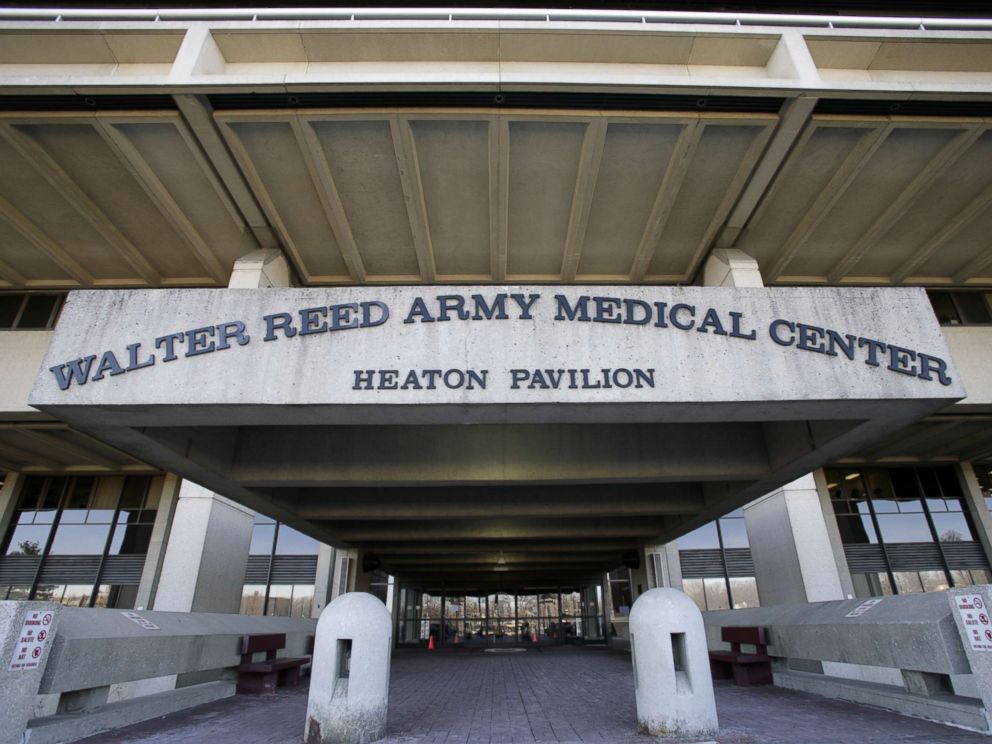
[(533, 637), (430, 643)]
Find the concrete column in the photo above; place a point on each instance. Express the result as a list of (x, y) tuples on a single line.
[(204, 567), (323, 584), (730, 267), (665, 568), (974, 502), (9, 494), (639, 582), (344, 573), (152, 571), (261, 269), (793, 556)]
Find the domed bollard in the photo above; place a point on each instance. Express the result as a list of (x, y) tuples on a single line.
[(672, 682), (349, 679)]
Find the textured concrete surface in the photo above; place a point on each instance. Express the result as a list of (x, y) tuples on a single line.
[(350, 675), (555, 695), (674, 691)]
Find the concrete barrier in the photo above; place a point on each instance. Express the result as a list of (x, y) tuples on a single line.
[(672, 683), (349, 684), (103, 669), (909, 653)]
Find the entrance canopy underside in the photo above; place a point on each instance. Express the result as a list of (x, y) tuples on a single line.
[(536, 443)]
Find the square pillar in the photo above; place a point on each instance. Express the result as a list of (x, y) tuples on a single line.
[(793, 556), (323, 589), (974, 502), (204, 566), (9, 493), (155, 559)]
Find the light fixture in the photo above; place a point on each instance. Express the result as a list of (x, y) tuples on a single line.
[(500, 563), (852, 476)]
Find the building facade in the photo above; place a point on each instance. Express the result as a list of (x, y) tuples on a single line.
[(471, 166)]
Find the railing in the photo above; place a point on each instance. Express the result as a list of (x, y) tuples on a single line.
[(420, 15)]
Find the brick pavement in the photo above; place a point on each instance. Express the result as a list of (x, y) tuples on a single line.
[(554, 695)]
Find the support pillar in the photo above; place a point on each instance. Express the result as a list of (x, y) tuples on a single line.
[(204, 567), (793, 556), (730, 267), (152, 572), (974, 501), (323, 589), (9, 493)]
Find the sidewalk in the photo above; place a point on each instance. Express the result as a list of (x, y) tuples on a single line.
[(556, 695)]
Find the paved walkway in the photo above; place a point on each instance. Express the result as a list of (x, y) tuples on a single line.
[(555, 695)]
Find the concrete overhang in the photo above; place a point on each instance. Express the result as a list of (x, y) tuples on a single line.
[(571, 424)]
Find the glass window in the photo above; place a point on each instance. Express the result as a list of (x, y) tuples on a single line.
[(118, 596), (716, 594), (80, 539), (262, 536), (972, 307), (952, 527), (734, 533), (701, 538), (252, 599), (904, 528), (871, 584), (292, 542), (10, 306), (694, 588), (744, 590), (943, 308), (28, 539), (37, 312), (15, 591)]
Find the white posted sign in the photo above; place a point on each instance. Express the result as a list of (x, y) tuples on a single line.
[(31, 641), (975, 616)]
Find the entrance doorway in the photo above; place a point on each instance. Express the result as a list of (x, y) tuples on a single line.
[(524, 616)]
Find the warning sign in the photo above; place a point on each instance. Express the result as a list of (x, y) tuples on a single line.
[(31, 642), (975, 616)]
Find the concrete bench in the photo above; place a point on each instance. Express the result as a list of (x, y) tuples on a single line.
[(262, 677), (745, 669)]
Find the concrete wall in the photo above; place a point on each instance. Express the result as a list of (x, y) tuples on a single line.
[(971, 349), (21, 353)]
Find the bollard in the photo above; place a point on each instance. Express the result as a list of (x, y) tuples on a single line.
[(349, 679), (672, 682)]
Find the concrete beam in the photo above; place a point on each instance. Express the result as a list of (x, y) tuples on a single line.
[(647, 499)]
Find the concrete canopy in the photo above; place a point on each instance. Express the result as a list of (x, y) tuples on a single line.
[(495, 435)]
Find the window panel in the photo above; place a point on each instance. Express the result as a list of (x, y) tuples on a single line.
[(37, 312), (745, 592), (934, 581), (701, 538), (908, 582), (292, 542), (943, 308), (15, 591), (734, 533), (280, 600), (28, 539), (261, 539), (716, 594), (131, 539), (694, 589), (10, 306), (972, 307), (904, 528), (80, 539), (952, 527), (857, 530)]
